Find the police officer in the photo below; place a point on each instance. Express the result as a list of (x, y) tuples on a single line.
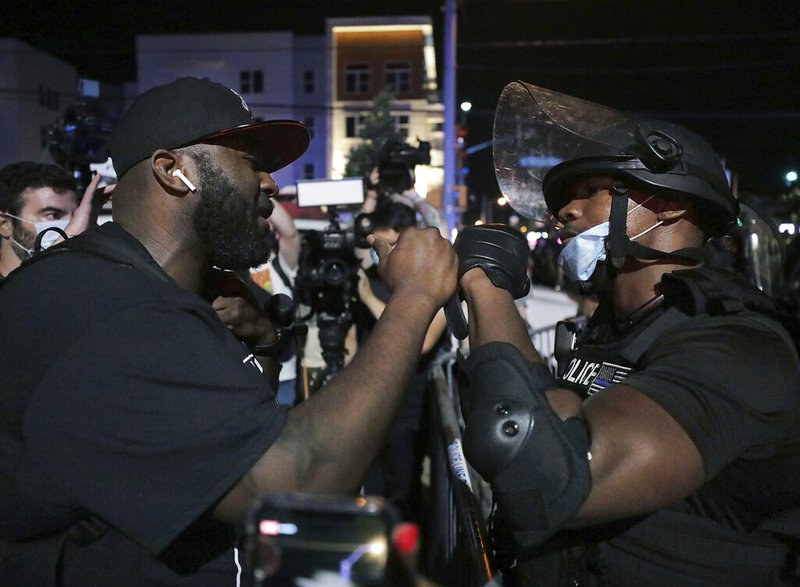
[(666, 450)]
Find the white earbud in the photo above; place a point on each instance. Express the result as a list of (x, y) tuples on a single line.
[(179, 174)]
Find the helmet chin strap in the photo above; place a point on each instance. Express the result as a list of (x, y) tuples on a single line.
[(620, 246)]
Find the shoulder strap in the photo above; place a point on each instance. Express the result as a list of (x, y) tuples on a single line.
[(639, 345), (282, 274), (98, 244), (703, 290), (693, 292)]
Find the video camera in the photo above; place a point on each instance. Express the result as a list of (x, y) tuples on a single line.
[(77, 140), (327, 276), (397, 160)]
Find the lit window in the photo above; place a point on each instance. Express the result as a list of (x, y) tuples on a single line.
[(401, 123), (251, 82), (398, 77), (356, 78), (353, 125)]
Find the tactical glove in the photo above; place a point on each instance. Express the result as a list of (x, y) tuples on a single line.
[(501, 251)]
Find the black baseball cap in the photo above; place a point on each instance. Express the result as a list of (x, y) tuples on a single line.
[(191, 110)]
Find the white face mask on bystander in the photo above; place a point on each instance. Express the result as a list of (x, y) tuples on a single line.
[(49, 238)]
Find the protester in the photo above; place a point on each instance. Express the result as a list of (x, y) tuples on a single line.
[(667, 450), (277, 276), (397, 473), (137, 428), (34, 197)]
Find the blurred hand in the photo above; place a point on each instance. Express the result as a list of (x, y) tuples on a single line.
[(247, 322), (422, 262), (374, 176), (364, 288), (402, 199), (86, 213), (237, 308)]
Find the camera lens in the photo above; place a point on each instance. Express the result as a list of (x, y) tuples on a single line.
[(334, 272)]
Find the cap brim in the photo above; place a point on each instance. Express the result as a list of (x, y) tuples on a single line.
[(277, 142)]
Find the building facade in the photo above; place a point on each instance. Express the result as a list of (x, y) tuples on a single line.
[(369, 55), (327, 82), (35, 88)]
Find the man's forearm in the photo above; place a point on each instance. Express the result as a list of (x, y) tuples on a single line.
[(340, 429), (493, 316)]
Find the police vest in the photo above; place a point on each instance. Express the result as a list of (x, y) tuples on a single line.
[(588, 366)]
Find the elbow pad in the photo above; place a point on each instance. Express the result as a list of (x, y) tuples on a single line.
[(537, 464)]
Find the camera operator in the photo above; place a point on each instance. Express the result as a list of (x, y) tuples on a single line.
[(396, 474), (137, 428), (393, 179), (667, 450), (277, 276)]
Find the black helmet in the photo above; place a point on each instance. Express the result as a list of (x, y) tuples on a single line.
[(545, 140)]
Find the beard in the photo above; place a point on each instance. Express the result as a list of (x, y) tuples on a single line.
[(226, 223), (24, 240)]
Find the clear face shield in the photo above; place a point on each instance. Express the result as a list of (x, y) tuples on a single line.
[(536, 129), (760, 250)]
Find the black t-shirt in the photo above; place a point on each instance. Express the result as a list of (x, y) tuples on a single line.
[(733, 383), (124, 399)]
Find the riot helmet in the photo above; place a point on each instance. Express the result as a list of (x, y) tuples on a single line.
[(545, 140)]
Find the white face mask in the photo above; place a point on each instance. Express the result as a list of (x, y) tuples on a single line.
[(49, 238), (580, 257)]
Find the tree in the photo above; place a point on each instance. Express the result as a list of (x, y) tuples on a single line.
[(377, 128)]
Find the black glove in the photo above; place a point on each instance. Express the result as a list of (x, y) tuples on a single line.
[(501, 251)]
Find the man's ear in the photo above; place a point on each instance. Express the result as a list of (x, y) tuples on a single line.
[(672, 209), (168, 170)]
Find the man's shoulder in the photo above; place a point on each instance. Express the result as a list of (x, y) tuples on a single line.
[(704, 291), (102, 264)]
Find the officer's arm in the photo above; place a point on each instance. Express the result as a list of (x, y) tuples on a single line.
[(641, 459)]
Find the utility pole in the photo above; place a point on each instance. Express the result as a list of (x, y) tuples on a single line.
[(449, 194)]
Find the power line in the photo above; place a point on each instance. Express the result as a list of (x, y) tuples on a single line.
[(697, 67), (661, 40), (11, 93)]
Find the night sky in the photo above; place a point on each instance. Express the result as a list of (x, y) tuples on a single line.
[(729, 70)]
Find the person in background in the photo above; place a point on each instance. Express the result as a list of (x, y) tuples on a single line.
[(396, 475), (34, 197), (277, 276)]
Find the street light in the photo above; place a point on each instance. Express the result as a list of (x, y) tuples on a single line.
[(460, 185)]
